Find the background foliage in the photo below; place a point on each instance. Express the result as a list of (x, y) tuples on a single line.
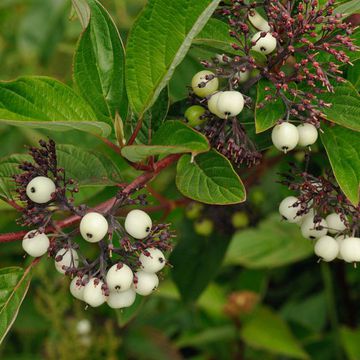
[(258, 291)]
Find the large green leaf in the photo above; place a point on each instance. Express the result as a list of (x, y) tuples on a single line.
[(14, 284), (173, 137), (271, 111), (99, 65), (353, 75), (348, 8), (342, 147), (83, 11), (350, 339), (345, 108), (215, 35), (158, 41), (197, 258), (46, 103), (267, 331), (89, 168), (273, 243), (209, 178)]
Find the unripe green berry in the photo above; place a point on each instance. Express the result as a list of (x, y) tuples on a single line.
[(204, 227), (240, 219), (194, 114)]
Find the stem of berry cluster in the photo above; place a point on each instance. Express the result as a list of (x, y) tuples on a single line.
[(104, 207)]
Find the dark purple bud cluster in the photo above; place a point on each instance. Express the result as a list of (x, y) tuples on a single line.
[(312, 44), (231, 140)]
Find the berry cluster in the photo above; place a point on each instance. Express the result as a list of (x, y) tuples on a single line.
[(298, 49), (120, 271), (324, 214)]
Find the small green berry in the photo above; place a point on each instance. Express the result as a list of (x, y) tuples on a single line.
[(194, 114), (194, 210), (240, 220), (204, 227)]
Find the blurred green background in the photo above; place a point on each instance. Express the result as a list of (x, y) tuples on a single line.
[(250, 291)]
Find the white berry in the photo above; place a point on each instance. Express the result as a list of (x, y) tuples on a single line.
[(40, 189), (264, 45), (288, 211), (119, 277), (37, 245), (77, 287), (230, 103), (120, 300), (350, 249), (308, 230), (335, 223), (212, 105), (203, 87), (327, 248), (308, 134), (83, 327), (285, 136), (258, 21), (93, 227), (93, 293), (243, 76), (154, 262), (138, 224), (146, 283), (70, 258)]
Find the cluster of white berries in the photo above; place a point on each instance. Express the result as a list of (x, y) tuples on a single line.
[(286, 136), (122, 284), (330, 242), (223, 104)]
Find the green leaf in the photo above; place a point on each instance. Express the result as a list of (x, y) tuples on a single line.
[(267, 331), (197, 258), (351, 342), (345, 108), (209, 178), (173, 137), (353, 75), (273, 243), (158, 41), (99, 65), (215, 35), (42, 102), (89, 168), (348, 8), (342, 147), (272, 111), (14, 284)]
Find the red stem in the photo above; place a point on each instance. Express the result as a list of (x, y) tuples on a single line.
[(136, 131), (106, 205)]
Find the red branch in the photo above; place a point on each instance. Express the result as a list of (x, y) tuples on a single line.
[(108, 204)]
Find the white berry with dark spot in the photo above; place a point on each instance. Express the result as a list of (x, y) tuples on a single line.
[(308, 134), (35, 244), (308, 230), (138, 224), (145, 283), (285, 136), (40, 189), (264, 45), (119, 277), (120, 300), (288, 211), (230, 103), (93, 227), (93, 293), (69, 258), (204, 83), (327, 248), (335, 223), (152, 260)]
